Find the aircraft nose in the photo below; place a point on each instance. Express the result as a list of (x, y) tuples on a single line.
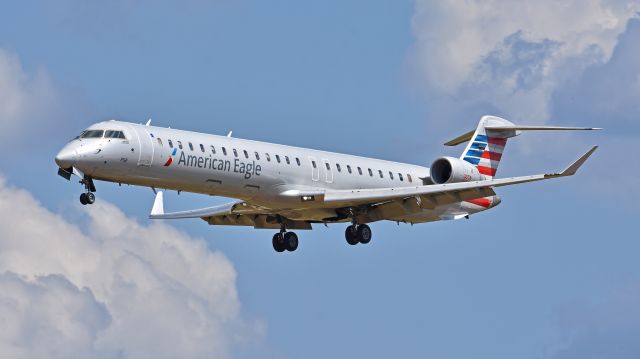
[(66, 158)]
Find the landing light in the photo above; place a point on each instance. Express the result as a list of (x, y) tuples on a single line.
[(308, 198)]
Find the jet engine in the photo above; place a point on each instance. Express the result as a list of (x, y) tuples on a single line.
[(450, 170)]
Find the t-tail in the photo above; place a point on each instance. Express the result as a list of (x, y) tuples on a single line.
[(487, 142)]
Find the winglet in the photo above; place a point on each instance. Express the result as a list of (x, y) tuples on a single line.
[(158, 205), (573, 168)]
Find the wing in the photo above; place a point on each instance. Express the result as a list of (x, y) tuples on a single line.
[(382, 200), (237, 213), (439, 194)]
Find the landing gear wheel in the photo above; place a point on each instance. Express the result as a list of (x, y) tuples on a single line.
[(350, 235), (291, 241), (278, 243), (91, 198), (83, 199), (364, 234)]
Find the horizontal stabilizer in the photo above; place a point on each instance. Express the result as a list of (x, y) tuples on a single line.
[(461, 139), (506, 130), (540, 128)]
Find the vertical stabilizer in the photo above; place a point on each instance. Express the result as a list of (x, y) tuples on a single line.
[(485, 147)]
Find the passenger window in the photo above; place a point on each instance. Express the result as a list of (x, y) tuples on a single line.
[(213, 150), (268, 157), (201, 148), (224, 151), (170, 143), (370, 172), (179, 144), (314, 164), (326, 164), (360, 170), (298, 161), (380, 173), (286, 159), (390, 174), (349, 168), (246, 154), (190, 146), (159, 141), (338, 167), (278, 158), (257, 156), (235, 153), (400, 176), (409, 178)]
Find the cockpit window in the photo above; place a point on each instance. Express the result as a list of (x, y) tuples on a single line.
[(92, 134), (114, 134)]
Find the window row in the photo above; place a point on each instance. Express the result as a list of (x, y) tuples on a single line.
[(278, 158), (360, 172), (245, 153)]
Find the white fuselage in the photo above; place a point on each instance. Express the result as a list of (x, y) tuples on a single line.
[(265, 174)]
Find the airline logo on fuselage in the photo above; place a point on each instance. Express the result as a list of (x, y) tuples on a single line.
[(170, 160), (247, 169)]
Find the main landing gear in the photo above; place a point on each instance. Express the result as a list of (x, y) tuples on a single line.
[(358, 233), (88, 197), (285, 241)]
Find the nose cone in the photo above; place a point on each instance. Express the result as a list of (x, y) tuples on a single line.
[(66, 157)]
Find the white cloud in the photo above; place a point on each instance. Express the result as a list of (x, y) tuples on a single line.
[(512, 54), (23, 96), (48, 317), (115, 287)]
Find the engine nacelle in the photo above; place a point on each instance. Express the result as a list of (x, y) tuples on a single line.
[(450, 170)]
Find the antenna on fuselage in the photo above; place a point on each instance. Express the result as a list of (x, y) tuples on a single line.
[(148, 122), (230, 133)]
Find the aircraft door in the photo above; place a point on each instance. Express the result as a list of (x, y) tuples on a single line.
[(145, 141), (328, 172), (315, 171)]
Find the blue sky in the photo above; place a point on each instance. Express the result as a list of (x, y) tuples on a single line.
[(550, 273)]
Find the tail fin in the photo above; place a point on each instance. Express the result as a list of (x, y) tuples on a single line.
[(487, 142), (485, 148)]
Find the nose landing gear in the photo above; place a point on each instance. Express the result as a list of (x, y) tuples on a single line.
[(88, 197)]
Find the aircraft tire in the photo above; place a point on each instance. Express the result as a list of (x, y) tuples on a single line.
[(291, 241), (364, 234), (91, 198), (278, 243), (83, 199), (350, 235)]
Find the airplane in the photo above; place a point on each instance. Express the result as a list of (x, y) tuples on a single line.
[(290, 188)]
